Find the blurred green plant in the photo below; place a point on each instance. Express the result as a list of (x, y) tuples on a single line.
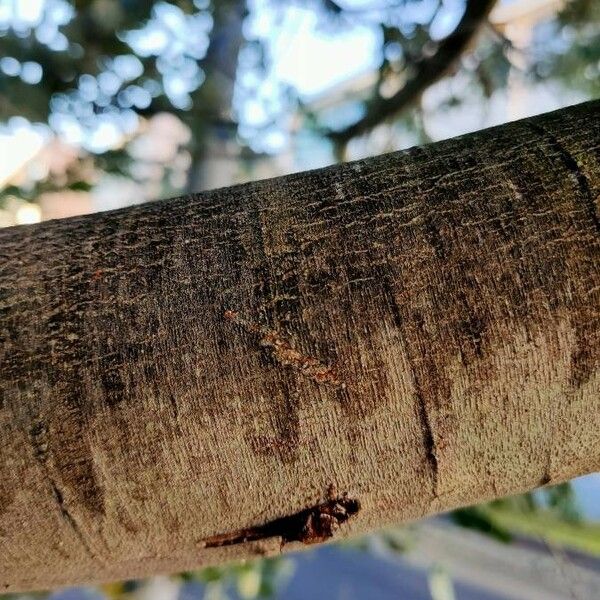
[(550, 514), (573, 57)]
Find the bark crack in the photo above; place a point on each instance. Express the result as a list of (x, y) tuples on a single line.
[(573, 167), (283, 352), (547, 473), (68, 517), (38, 436), (309, 526), (428, 442)]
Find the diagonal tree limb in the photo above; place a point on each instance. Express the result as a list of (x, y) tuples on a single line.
[(428, 71), (265, 366)]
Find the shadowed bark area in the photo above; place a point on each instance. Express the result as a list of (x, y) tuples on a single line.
[(269, 365)]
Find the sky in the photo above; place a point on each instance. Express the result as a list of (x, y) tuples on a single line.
[(312, 59)]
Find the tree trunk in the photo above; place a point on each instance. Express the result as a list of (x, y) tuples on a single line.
[(254, 368), (214, 162)]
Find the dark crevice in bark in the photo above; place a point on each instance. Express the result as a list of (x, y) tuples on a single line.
[(39, 443), (434, 237), (392, 303), (546, 477), (68, 517), (428, 442), (573, 167), (428, 439), (174, 407), (309, 526)]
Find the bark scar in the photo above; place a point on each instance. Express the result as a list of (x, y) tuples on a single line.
[(309, 526), (283, 352)]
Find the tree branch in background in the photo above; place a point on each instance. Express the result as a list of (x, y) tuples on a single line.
[(428, 71)]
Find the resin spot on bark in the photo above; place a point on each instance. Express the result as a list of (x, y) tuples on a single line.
[(283, 352)]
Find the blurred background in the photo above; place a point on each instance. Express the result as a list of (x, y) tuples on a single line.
[(107, 103)]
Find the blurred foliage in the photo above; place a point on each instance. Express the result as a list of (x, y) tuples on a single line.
[(558, 500), (573, 57), (259, 578), (256, 579), (550, 514), (478, 519)]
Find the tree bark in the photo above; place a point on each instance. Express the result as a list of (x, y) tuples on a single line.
[(254, 368)]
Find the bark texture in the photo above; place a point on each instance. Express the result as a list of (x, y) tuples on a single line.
[(254, 368)]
